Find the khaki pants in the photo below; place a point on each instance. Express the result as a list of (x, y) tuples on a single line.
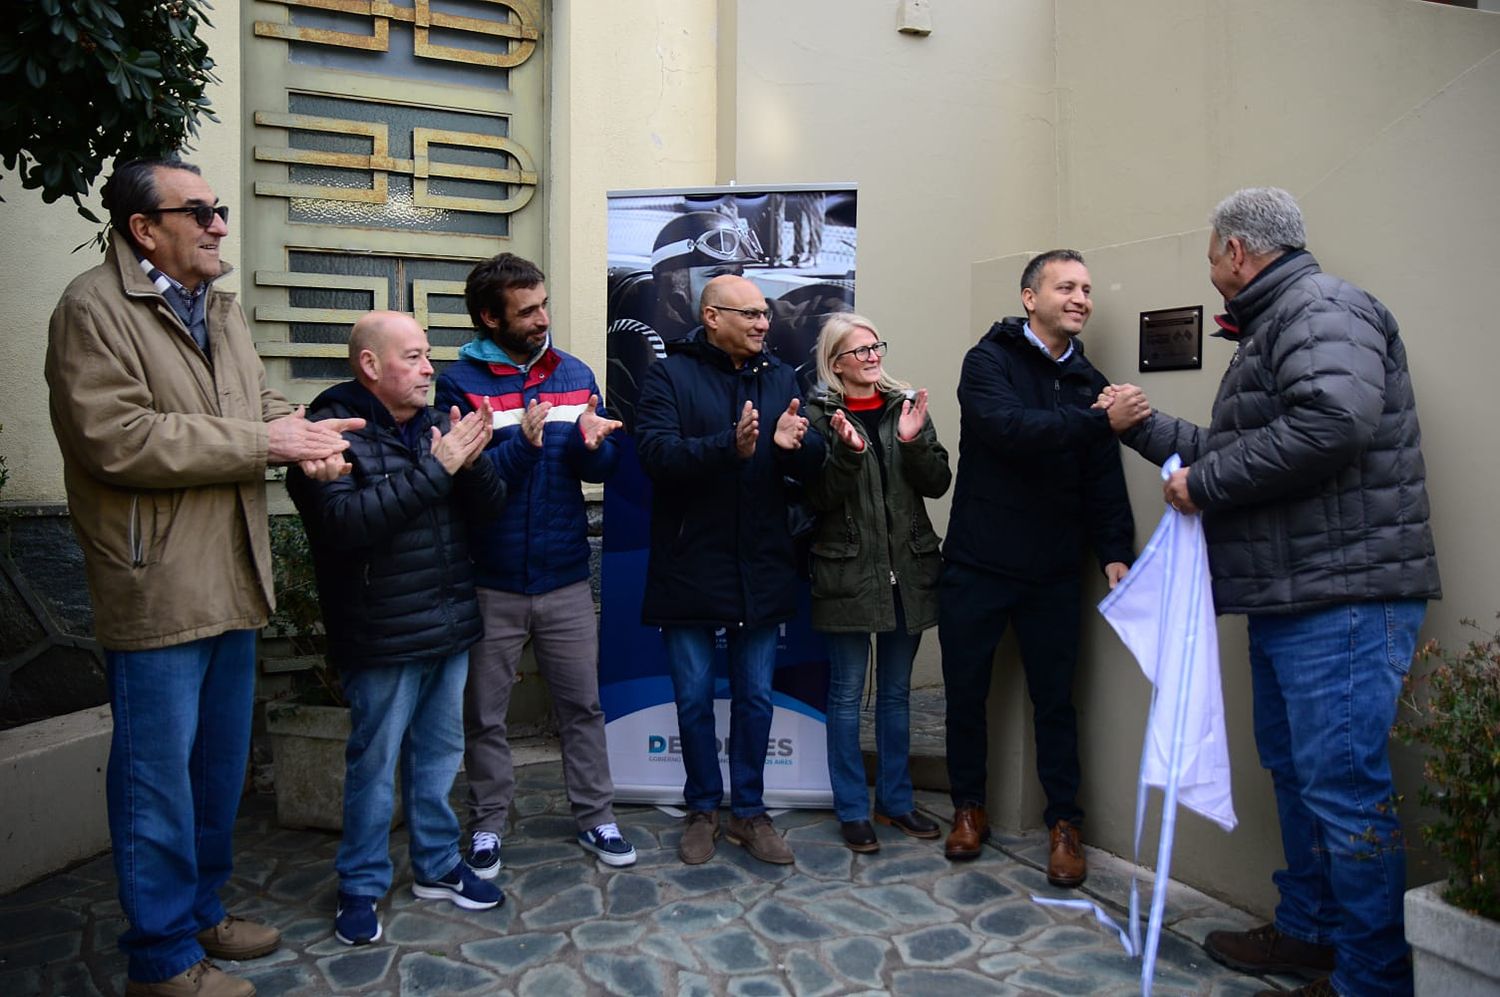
[(565, 638)]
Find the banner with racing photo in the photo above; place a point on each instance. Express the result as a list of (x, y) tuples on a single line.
[(797, 243)]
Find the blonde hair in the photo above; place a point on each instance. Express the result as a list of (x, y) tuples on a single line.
[(836, 328)]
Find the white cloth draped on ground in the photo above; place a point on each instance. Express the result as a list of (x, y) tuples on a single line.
[(1163, 611)]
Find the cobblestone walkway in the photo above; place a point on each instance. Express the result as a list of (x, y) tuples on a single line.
[(904, 921)]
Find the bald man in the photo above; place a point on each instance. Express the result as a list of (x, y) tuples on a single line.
[(721, 553), (397, 588)]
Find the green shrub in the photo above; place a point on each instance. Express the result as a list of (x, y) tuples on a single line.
[(299, 616), (1455, 714)]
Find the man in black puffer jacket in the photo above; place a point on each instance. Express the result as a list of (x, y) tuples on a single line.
[(721, 553), (1312, 488), (397, 590), (1039, 482)]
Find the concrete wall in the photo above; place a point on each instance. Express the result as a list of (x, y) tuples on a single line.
[(52, 782), (633, 97), (1369, 112), (949, 137)]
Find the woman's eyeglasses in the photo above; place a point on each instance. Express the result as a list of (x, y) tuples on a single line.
[(866, 353)]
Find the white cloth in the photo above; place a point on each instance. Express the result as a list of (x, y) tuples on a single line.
[(1163, 611)]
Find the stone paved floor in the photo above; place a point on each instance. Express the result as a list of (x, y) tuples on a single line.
[(904, 921)]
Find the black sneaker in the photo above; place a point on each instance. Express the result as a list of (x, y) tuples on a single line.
[(608, 844), (356, 922), (484, 854)]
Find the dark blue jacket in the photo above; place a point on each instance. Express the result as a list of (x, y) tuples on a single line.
[(721, 553), (539, 542), (389, 540), (1039, 473)]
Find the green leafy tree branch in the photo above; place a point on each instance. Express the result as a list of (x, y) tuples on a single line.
[(83, 82)]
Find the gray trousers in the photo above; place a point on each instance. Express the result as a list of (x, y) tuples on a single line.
[(565, 638)]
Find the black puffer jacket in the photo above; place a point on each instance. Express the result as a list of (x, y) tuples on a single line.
[(721, 554), (1039, 472), (389, 542), (1310, 474)]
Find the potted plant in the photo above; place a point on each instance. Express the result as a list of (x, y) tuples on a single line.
[(1454, 712), (308, 719)]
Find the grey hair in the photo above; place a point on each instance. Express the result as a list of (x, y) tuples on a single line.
[(1264, 219), (131, 189)]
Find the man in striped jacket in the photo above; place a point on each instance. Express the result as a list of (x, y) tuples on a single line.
[(532, 561)]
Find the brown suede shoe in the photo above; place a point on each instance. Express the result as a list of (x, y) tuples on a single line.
[(1265, 950), (1066, 866), (760, 838), (235, 939), (697, 845), (971, 829), (202, 979)]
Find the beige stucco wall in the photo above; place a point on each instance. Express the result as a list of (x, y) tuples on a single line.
[(1369, 113), (949, 138), (632, 105)]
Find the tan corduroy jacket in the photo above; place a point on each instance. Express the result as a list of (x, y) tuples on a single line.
[(164, 457)]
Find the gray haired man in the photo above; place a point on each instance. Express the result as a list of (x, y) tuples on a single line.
[(1312, 489)]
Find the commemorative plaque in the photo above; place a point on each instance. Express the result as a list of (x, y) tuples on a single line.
[(1172, 339)]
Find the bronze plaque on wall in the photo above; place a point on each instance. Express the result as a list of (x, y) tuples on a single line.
[(1172, 339)]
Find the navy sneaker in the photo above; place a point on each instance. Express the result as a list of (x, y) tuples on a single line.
[(484, 854), (462, 888), (606, 842), (356, 922)]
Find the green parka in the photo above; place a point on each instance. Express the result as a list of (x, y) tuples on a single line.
[(856, 556)]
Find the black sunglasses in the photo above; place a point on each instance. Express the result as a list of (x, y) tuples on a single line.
[(203, 214)]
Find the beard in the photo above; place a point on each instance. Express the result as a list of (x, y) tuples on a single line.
[(511, 341)]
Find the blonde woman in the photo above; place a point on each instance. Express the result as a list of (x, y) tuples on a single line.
[(874, 565)]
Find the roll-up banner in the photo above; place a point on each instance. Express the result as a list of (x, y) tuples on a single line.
[(797, 243)]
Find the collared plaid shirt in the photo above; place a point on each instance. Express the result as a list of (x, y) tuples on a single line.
[(190, 306)]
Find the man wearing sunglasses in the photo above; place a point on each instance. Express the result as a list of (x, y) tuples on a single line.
[(166, 427)]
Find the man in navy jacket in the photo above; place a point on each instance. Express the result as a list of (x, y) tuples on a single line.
[(533, 560), (1039, 478), (721, 552)]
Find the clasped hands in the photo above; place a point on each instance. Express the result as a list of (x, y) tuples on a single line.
[(1127, 407)]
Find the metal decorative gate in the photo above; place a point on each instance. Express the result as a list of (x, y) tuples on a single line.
[(389, 147)]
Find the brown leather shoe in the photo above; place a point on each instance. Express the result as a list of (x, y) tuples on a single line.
[(1265, 950), (971, 829), (202, 979), (758, 836), (235, 939), (697, 845), (1066, 866)]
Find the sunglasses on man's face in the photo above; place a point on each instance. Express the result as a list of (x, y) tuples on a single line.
[(203, 214)]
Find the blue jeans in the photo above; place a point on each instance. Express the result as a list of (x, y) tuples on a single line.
[(848, 655), (1326, 684), (414, 715), (176, 771), (752, 659)]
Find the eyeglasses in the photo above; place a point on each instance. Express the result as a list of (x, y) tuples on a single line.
[(203, 214), (864, 353), (750, 313)]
